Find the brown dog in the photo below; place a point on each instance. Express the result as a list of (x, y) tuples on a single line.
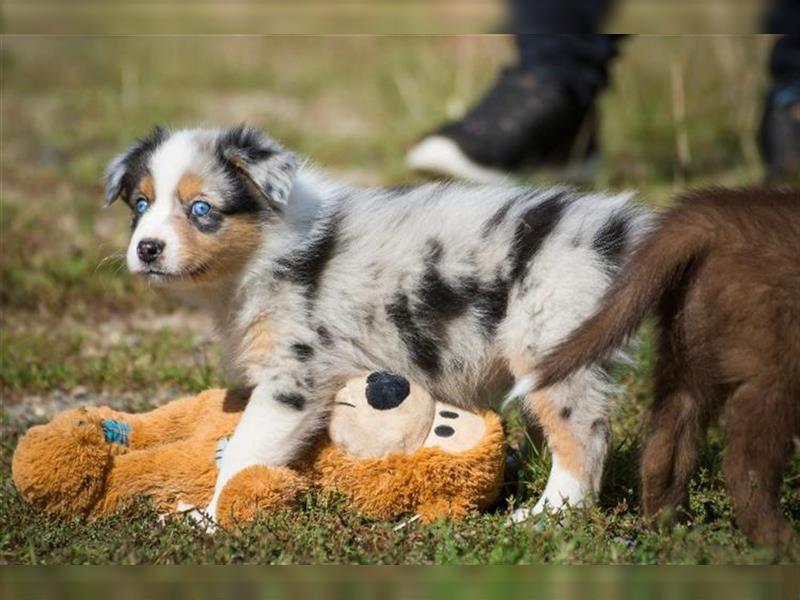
[(722, 272)]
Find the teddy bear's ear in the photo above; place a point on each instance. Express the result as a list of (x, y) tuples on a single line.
[(455, 429)]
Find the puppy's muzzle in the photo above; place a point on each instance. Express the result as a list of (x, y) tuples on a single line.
[(148, 250)]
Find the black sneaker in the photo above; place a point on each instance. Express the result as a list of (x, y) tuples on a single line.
[(779, 136), (521, 121)]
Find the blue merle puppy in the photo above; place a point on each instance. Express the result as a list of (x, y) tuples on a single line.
[(311, 281)]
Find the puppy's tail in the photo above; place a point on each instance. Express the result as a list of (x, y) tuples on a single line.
[(658, 264)]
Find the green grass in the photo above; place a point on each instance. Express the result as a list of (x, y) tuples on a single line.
[(324, 532), (75, 326), (40, 363)]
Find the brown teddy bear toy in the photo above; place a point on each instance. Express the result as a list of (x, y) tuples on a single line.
[(390, 449)]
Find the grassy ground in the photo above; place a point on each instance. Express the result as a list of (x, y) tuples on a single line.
[(77, 329)]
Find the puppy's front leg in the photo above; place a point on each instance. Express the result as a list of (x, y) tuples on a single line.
[(281, 416)]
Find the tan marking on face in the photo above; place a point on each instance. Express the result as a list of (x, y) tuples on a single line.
[(218, 254), (189, 187), (147, 187)]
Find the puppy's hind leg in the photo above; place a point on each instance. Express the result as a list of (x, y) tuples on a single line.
[(760, 429), (678, 423), (670, 453), (573, 416)]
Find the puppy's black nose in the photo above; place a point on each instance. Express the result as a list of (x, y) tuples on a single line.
[(386, 390), (148, 250)]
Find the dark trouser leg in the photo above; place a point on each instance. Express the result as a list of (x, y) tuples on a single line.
[(539, 113), (779, 135), (784, 63), (783, 17), (578, 59)]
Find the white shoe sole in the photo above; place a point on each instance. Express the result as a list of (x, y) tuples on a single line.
[(439, 155)]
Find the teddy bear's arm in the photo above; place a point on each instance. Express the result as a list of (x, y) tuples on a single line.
[(210, 411), (259, 488), (182, 471)]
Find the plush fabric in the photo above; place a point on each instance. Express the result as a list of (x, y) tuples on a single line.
[(94, 461), (429, 481), (259, 489)]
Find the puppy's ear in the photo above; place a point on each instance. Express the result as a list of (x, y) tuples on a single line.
[(265, 165), (125, 171), (114, 176)]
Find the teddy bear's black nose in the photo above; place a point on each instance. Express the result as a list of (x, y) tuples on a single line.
[(386, 390)]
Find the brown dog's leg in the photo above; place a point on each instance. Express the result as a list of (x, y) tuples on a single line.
[(761, 425), (677, 425), (670, 453)]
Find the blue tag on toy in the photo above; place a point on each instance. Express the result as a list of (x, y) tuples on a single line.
[(116, 432)]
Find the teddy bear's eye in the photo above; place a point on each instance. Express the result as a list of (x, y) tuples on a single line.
[(444, 431)]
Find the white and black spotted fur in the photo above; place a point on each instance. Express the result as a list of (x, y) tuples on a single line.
[(459, 287)]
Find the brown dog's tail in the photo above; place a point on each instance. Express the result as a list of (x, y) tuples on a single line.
[(658, 264)]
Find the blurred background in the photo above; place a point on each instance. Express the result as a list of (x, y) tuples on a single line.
[(353, 16)]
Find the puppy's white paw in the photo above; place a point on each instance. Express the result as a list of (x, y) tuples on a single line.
[(181, 509), (545, 505), (202, 519), (520, 516), (525, 514), (527, 517), (562, 491), (184, 507)]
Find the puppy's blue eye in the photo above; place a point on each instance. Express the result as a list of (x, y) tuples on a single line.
[(200, 208), (142, 205)]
